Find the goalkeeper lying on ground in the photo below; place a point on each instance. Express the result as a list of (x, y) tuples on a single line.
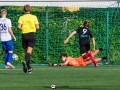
[(69, 61)]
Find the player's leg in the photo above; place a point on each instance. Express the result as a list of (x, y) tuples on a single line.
[(96, 51), (89, 54), (28, 41), (97, 60), (6, 53), (82, 50), (5, 58), (85, 52), (89, 61), (9, 48), (9, 59), (93, 60), (27, 58), (24, 45), (93, 53), (31, 43)]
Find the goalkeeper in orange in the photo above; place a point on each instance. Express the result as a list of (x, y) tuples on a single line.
[(69, 61)]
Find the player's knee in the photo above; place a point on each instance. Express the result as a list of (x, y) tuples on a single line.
[(10, 51), (29, 50)]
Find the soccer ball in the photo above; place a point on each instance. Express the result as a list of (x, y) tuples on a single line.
[(15, 57), (53, 86)]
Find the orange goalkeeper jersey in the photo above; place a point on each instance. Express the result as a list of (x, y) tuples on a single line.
[(76, 61)]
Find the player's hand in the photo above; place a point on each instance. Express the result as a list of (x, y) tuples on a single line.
[(66, 41), (14, 38)]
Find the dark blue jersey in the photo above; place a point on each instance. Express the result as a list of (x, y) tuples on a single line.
[(84, 35)]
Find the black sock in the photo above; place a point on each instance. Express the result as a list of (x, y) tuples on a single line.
[(27, 59), (105, 57), (100, 49)]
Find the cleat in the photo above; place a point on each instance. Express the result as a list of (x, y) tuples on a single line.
[(25, 68), (30, 70), (10, 65)]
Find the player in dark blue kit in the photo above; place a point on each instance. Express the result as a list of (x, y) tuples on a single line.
[(84, 41)]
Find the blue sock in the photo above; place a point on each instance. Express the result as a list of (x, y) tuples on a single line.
[(6, 57), (9, 57)]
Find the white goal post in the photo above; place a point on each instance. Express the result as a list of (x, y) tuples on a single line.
[(63, 3)]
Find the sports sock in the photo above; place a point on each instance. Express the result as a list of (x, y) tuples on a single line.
[(93, 60), (86, 55), (91, 57), (9, 59), (5, 57), (27, 59)]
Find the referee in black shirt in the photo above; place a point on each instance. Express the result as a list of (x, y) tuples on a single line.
[(84, 41)]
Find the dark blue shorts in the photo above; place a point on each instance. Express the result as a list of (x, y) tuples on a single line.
[(7, 45)]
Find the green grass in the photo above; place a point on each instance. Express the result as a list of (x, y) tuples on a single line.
[(65, 78)]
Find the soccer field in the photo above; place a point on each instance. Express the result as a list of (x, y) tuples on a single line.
[(65, 78)]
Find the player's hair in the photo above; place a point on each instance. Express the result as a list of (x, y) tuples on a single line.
[(3, 10), (85, 22), (27, 8), (63, 54)]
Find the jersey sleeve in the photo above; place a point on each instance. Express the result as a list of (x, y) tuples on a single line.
[(91, 35), (77, 30), (9, 23), (36, 20), (20, 20)]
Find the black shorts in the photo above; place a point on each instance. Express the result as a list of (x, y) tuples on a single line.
[(28, 40), (84, 48)]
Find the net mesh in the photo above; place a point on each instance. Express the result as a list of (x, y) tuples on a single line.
[(62, 21)]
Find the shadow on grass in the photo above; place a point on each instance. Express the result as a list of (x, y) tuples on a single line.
[(68, 87)]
